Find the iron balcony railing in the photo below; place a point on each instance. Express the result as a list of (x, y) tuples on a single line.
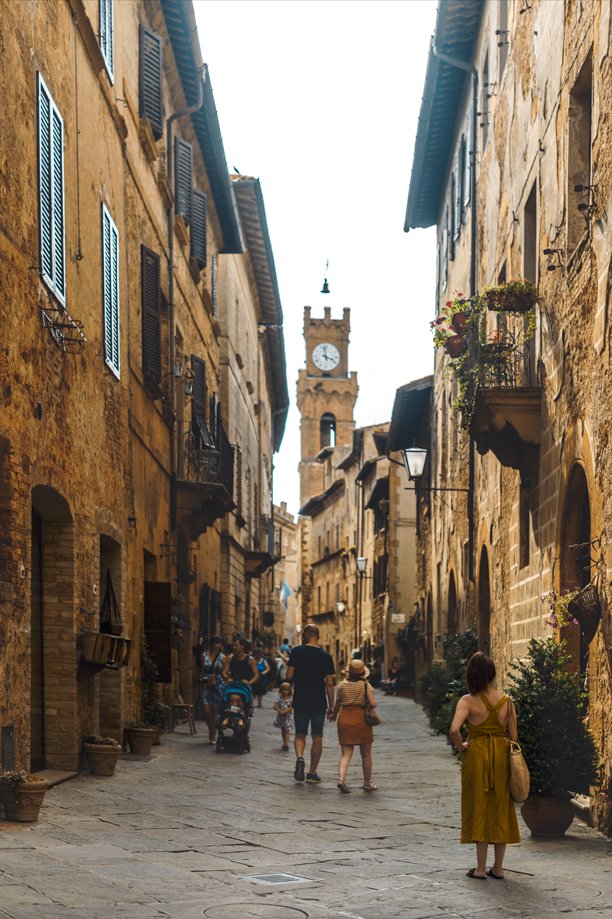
[(208, 459)]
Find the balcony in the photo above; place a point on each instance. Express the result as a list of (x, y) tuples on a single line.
[(262, 554), (204, 487), (506, 400)]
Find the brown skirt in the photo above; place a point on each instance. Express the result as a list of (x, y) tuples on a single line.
[(352, 727)]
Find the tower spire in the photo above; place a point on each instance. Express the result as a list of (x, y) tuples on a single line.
[(325, 288)]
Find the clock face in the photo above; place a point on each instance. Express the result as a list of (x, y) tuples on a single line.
[(325, 356)]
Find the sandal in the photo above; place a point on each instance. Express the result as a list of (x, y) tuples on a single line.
[(472, 874), (344, 788), (370, 787), (498, 877)]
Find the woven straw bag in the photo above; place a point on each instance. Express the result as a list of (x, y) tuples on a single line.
[(519, 774)]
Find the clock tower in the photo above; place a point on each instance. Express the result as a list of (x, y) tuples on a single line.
[(326, 395)]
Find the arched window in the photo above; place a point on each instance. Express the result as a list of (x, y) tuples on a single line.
[(328, 430)]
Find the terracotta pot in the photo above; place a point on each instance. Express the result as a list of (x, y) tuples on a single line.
[(22, 802), (455, 345), (140, 740), (101, 758), (460, 322), (157, 736), (547, 816)]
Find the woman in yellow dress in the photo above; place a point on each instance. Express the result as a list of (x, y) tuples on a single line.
[(487, 810)]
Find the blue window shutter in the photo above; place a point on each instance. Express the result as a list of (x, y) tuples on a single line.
[(51, 193), (110, 291), (106, 36), (198, 228), (44, 181), (183, 168)]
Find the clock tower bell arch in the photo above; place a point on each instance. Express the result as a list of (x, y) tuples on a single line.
[(326, 395)]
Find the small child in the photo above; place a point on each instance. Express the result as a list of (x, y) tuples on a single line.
[(233, 717), (284, 717)]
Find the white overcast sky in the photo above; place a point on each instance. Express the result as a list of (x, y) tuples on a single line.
[(319, 99)]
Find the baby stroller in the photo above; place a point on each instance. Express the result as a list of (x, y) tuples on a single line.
[(231, 734)]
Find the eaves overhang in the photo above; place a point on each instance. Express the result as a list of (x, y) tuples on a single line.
[(316, 504), (180, 22), (412, 402), (457, 26), (252, 213)]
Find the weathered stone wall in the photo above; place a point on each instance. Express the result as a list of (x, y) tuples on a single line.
[(530, 142)]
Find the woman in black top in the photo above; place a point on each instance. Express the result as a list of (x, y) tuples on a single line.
[(240, 667)]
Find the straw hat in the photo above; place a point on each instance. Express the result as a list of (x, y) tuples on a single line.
[(358, 670)]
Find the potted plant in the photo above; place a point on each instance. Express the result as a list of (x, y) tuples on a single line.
[(21, 795), (556, 744), (101, 753), (518, 296), (140, 737), (157, 716)]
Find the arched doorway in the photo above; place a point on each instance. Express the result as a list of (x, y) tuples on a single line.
[(451, 621), (484, 603), (52, 661), (575, 554)]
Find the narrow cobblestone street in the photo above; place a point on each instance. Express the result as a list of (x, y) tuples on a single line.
[(181, 833)]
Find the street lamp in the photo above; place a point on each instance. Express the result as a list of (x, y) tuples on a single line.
[(414, 461), (340, 606), (362, 564)]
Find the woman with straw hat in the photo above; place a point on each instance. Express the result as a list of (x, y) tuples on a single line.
[(351, 697)]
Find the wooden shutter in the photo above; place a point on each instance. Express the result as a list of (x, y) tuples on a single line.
[(51, 192), (198, 228), (470, 157), (198, 404), (110, 291), (151, 343), (462, 182), (107, 44), (183, 168), (158, 627), (151, 54), (238, 477)]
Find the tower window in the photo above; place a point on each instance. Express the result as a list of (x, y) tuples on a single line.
[(328, 430)]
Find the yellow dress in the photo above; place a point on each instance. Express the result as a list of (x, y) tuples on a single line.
[(487, 810)]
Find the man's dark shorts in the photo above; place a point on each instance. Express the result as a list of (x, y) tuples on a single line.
[(302, 717)]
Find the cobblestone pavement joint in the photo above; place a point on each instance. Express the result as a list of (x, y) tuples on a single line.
[(179, 835)]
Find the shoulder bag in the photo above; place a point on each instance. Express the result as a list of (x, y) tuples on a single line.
[(369, 713), (519, 773)]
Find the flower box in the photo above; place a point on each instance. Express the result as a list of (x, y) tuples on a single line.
[(513, 297), (455, 345)]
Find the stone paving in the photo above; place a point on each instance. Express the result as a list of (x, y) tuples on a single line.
[(182, 833)]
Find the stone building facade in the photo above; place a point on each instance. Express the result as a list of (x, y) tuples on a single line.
[(513, 164), (116, 468)]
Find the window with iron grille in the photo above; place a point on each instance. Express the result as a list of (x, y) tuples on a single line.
[(110, 292), (150, 80), (198, 228), (150, 294), (107, 39), (183, 169), (51, 193)]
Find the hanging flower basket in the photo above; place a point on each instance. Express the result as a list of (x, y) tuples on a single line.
[(513, 297), (455, 345), (586, 609), (460, 321)]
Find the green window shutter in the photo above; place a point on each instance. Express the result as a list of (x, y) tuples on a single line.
[(51, 192), (110, 291), (151, 337), (198, 228), (151, 56), (183, 168), (107, 39)]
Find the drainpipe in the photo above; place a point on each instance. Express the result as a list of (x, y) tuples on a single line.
[(202, 73), (468, 67)]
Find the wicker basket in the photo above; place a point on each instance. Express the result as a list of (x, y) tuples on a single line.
[(586, 608)]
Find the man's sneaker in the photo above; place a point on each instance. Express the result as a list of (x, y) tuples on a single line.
[(313, 778), (298, 775)]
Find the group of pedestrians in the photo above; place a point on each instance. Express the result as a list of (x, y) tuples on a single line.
[(307, 697)]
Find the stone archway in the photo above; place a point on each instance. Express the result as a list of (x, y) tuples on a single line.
[(575, 551), (484, 603), (53, 711)]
